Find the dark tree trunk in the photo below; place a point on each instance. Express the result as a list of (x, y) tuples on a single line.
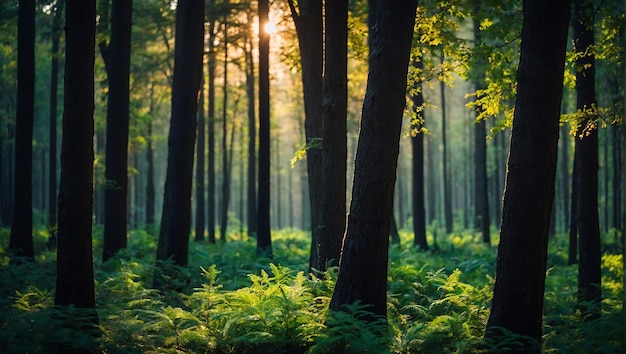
[(447, 197), (225, 197), (586, 156), (176, 216), (211, 132), (309, 26), (117, 61), (481, 191), (363, 266), (334, 144), (250, 81), (394, 235), (572, 253), (565, 181), (264, 238), (74, 281), (417, 162), (150, 189), (200, 202), (21, 239), (54, 84), (522, 253)]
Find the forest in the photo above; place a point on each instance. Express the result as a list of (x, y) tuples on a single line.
[(308, 176)]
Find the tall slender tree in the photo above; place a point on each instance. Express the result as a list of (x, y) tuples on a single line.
[(264, 238), (54, 84), (117, 62), (586, 157), (334, 144), (363, 265), (522, 253), (417, 160), (74, 280), (481, 191), (176, 215), (309, 28), (250, 92), (200, 202), (21, 239), (211, 65)]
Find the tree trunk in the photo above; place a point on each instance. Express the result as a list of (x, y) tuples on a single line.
[(74, 281), (310, 39), (417, 162), (200, 202), (54, 84), (363, 266), (21, 239), (565, 174), (447, 197), (522, 253), (481, 191), (117, 61), (586, 156), (150, 189), (176, 216), (264, 239), (225, 197), (250, 91), (334, 144), (211, 129)]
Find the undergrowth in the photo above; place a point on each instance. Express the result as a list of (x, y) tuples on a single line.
[(232, 302)]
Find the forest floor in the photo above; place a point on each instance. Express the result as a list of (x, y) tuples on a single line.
[(228, 301)]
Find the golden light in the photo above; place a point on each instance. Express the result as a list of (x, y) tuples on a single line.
[(270, 28)]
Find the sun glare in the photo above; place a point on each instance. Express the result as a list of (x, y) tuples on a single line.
[(270, 28)]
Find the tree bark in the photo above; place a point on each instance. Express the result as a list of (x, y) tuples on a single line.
[(74, 281), (334, 130), (309, 26), (250, 91), (586, 156), (363, 266), (54, 84), (417, 162), (522, 252), (176, 216), (117, 60), (200, 202), (21, 238), (264, 239), (211, 64)]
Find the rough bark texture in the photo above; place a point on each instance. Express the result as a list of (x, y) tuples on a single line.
[(310, 39), (264, 239), (74, 282), (211, 64), (417, 164), (334, 144), (176, 217), (117, 60), (586, 156), (363, 266), (529, 193), (21, 239)]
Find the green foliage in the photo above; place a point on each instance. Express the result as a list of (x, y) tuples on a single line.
[(231, 302)]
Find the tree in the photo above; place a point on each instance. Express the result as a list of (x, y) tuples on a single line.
[(586, 157), (481, 194), (363, 265), (176, 215), (200, 224), (211, 64), (74, 281), (54, 83), (522, 252), (309, 25), (250, 81), (417, 160), (334, 141), (21, 239), (117, 62), (264, 239)]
